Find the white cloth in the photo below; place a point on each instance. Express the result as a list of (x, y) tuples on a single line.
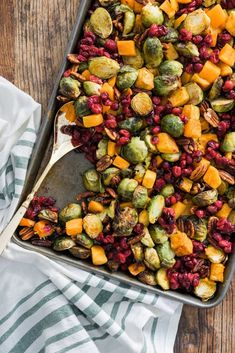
[(50, 307)]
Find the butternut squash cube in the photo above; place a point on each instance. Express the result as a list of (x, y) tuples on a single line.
[(112, 81), (145, 79), (186, 78), (209, 72), (204, 84), (212, 177), (204, 124), (227, 55), (217, 272), (225, 69), (149, 179), (167, 8), (126, 204), (159, 160), (179, 97), (191, 112), (108, 89), (218, 16), (105, 108), (136, 268), (179, 20), (184, 1), (92, 120), (224, 212), (204, 139), (126, 47), (25, 222), (174, 4), (95, 207), (129, 3), (86, 74), (144, 218), (166, 144), (138, 7), (230, 24), (74, 226), (181, 244), (179, 208), (111, 148), (120, 162), (193, 128), (186, 184), (171, 53), (187, 210), (98, 255), (214, 34)]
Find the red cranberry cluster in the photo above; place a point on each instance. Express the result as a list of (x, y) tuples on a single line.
[(157, 30), (167, 220), (39, 203), (222, 233), (187, 8)]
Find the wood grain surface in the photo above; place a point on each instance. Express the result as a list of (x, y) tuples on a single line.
[(34, 34)]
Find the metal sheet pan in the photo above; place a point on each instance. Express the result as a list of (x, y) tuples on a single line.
[(64, 182)]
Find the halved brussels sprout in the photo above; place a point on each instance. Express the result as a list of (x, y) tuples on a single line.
[(71, 211), (91, 88), (139, 171), (136, 61), (79, 252), (108, 174), (63, 243), (200, 228), (197, 22), (84, 240), (216, 89), (142, 104), (158, 234), (103, 67), (223, 187), (102, 148), (162, 279), (153, 53), (205, 289), (138, 251), (216, 256), (195, 93), (151, 14), (101, 22), (166, 254), (70, 88), (165, 84), (208, 3), (81, 107), (126, 77), (205, 198), (187, 49), (129, 22), (126, 173), (48, 215), (231, 217), (147, 239), (228, 144), (111, 209), (167, 190), (171, 36), (147, 137), (151, 259), (135, 151), (82, 67), (92, 225), (171, 67), (91, 180), (171, 157), (125, 221), (140, 197), (173, 125), (222, 105), (126, 187), (148, 277), (155, 208), (132, 124)]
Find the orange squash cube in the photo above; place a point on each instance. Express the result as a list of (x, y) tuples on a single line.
[(149, 179), (112, 81), (184, 1), (129, 3), (193, 128), (210, 71), (144, 218), (217, 272), (230, 24), (108, 89), (98, 255), (191, 111), (186, 78), (227, 55), (120, 162), (25, 222), (136, 268), (111, 148), (224, 212), (74, 226), (137, 7), (181, 244), (126, 47), (167, 8), (179, 97), (204, 84), (145, 79), (212, 177), (166, 144), (86, 74), (225, 69), (95, 207), (170, 53), (179, 208), (218, 16), (92, 120)]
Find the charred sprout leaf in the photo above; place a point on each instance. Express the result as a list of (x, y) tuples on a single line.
[(126, 188), (103, 67), (216, 89), (205, 289), (223, 187), (200, 228), (126, 77), (82, 67), (108, 174), (91, 88), (197, 22), (228, 144), (92, 225), (138, 251), (147, 239), (162, 279), (147, 137), (111, 209), (222, 105), (83, 240), (171, 157), (81, 107), (158, 234), (148, 277), (167, 190), (139, 172), (125, 221), (152, 51), (129, 21), (171, 36), (102, 148), (141, 103), (151, 259), (71, 211), (173, 125), (215, 255), (155, 208), (151, 14), (208, 3), (136, 61), (79, 252), (63, 243), (195, 93), (165, 84), (101, 22), (187, 49), (70, 88), (91, 180), (132, 124), (205, 198), (135, 151), (171, 67), (140, 197), (48, 215), (166, 254)]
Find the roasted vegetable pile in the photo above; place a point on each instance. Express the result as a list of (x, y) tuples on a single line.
[(151, 88)]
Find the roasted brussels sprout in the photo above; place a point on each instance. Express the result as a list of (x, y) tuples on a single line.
[(223, 187), (151, 259), (215, 255), (136, 61), (205, 289), (71, 211), (101, 22), (228, 144), (166, 254), (103, 67), (142, 104), (132, 124), (83, 240), (124, 221), (82, 67), (171, 36), (200, 228), (70, 88), (158, 234), (148, 277), (48, 215), (205, 198), (81, 107), (147, 239), (126, 77), (139, 171), (126, 187), (147, 137), (231, 217), (173, 125), (151, 14), (80, 252), (195, 93), (129, 18), (108, 174), (222, 105), (152, 51), (63, 243), (187, 49), (167, 190), (171, 157), (138, 251), (165, 84), (171, 67), (135, 151), (91, 88), (155, 208), (91, 180), (197, 22), (140, 197), (92, 225), (162, 279), (102, 148), (216, 89)]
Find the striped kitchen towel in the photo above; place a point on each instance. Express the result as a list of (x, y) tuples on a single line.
[(49, 307)]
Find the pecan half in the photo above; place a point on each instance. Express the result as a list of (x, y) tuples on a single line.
[(136, 239), (198, 172), (104, 163), (73, 58), (204, 106), (63, 99), (84, 195), (111, 192), (211, 117), (186, 226), (26, 233), (227, 177), (113, 135), (212, 222), (77, 76)]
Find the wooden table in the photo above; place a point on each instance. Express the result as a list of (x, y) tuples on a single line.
[(34, 34)]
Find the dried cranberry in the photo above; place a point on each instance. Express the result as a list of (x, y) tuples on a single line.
[(159, 183), (200, 213), (177, 171), (197, 67), (123, 141), (110, 45), (139, 228), (197, 39), (154, 140), (208, 40), (185, 35)]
